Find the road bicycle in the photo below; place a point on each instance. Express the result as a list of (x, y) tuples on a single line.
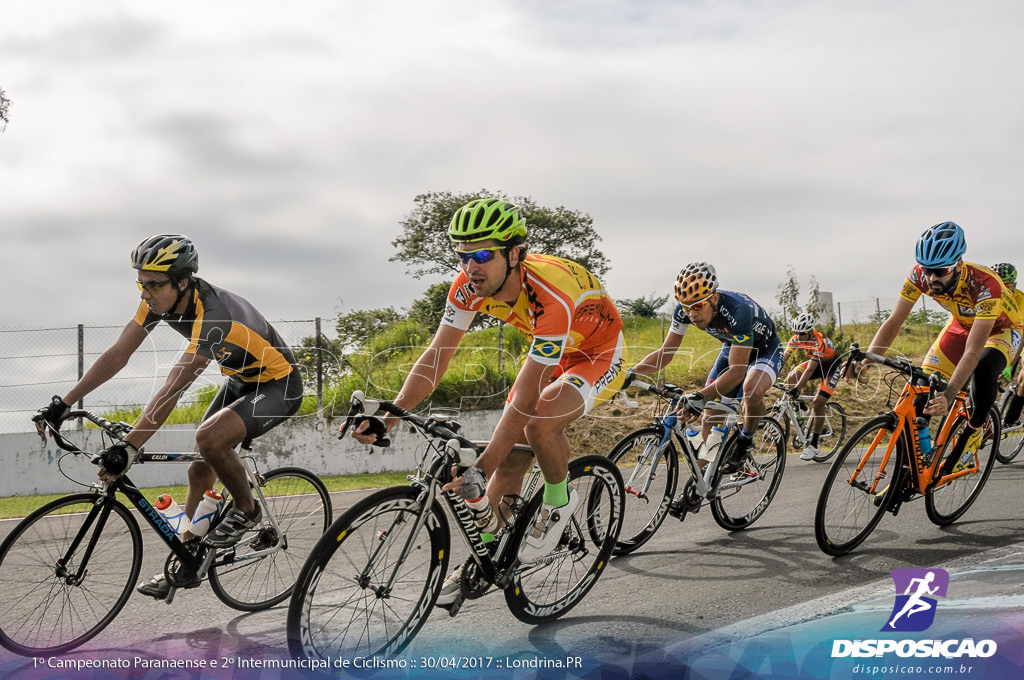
[(1013, 435), (795, 417), (68, 568), (648, 460), (372, 580), (882, 465)]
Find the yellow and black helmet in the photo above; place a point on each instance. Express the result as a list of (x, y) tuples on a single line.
[(696, 282), (487, 218), (172, 254)]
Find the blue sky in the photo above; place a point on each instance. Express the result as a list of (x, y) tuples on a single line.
[(289, 140)]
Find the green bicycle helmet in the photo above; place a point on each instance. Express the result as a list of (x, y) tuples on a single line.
[(171, 253), (1006, 271), (487, 218)]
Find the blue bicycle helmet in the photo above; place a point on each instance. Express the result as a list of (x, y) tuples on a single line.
[(941, 246)]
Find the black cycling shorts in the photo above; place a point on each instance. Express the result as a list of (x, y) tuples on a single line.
[(261, 406)]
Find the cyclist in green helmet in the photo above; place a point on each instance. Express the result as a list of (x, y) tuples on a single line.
[(575, 362)]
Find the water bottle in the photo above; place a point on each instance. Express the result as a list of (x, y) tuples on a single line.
[(924, 436), (172, 513), (483, 514), (696, 440), (713, 443), (206, 512)]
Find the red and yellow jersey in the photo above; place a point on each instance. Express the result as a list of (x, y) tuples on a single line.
[(562, 309), (979, 294), (819, 348)]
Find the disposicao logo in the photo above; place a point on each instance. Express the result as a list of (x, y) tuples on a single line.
[(914, 611)]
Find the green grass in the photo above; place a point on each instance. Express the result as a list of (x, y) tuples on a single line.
[(19, 506)]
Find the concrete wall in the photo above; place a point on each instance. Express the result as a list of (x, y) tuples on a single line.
[(31, 467)]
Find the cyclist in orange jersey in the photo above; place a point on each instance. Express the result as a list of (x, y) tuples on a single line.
[(822, 364), (979, 340), (575, 362)]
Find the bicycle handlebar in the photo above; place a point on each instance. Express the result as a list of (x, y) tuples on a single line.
[(115, 430), (365, 407), (670, 392), (903, 365)]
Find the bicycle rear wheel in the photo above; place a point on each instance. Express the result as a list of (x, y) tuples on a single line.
[(260, 570), (361, 593), (949, 500), (831, 437), (1013, 436), (859, 487), (546, 590), (742, 497), (49, 603), (650, 472)]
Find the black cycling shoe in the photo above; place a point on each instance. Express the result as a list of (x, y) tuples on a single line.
[(738, 454), (157, 587), (231, 529)]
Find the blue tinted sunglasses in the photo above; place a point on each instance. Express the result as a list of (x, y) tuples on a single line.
[(482, 256)]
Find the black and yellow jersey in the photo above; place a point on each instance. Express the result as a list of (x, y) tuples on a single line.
[(226, 328)]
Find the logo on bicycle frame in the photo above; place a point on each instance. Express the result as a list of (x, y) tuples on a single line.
[(914, 609)]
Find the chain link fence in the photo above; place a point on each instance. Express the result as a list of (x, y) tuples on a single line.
[(37, 363)]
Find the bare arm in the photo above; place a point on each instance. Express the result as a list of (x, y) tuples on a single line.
[(183, 374), (110, 362), (659, 358)]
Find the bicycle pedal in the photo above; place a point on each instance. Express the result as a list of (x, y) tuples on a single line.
[(455, 607)]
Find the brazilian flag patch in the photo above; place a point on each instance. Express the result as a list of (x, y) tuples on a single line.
[(546, 348)]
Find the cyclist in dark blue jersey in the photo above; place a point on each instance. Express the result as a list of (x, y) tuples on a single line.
[(263, 385), (751, 355)]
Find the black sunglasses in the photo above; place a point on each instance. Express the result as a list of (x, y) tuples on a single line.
[(937, 272)]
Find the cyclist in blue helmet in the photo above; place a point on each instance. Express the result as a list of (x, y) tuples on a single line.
[(979, 340)]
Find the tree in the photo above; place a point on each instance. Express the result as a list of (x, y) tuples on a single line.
[(358, 327), (425, 249), (5, 104), (787, 294), (428, 309), (642, 307)]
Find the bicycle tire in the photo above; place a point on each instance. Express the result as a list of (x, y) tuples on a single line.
[(301, 507), (847, 513), (547, 590), (337, 610), (945, 504), (41, 613), (738, 507), (639, 459), (1012, 443), (835, 415)]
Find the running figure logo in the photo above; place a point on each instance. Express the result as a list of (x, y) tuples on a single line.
[(914, 610)]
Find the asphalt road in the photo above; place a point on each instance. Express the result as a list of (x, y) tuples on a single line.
[(690, 579)]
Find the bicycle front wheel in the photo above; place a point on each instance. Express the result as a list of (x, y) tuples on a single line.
[(260, 570), (650, 472), (859, 487), (546, 590), (52, 599), (1013, 436), (947, 501), (369, 584), (832, 432), (743, 496)]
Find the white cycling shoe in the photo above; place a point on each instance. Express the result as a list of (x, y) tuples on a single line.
[(809, 453), (547, 531)]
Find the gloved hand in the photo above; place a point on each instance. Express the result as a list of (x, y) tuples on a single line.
[(793, 392), (54, 413), (118, 458), (695, 402), (630, 377), (474, 484), (1007, 373)]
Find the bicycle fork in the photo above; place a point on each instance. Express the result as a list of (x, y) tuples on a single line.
[(98, 514)]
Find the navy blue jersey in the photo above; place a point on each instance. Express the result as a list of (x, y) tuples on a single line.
[(739, 321)]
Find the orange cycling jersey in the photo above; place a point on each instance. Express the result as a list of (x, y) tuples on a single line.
[(979, 294), (818, 348), (562, 309)]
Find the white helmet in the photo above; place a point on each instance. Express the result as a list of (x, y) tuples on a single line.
[(803, 323)]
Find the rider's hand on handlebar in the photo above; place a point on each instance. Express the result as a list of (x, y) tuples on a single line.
[(53, 413), (470, 485), (691, 406), (116, 460), (630, 377), (856, 371), (938, 405), (370, 430)]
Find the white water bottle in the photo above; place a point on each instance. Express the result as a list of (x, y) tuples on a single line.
[(205, 513), (696, 440), (713, 443), (483, 514), (172, 513)]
